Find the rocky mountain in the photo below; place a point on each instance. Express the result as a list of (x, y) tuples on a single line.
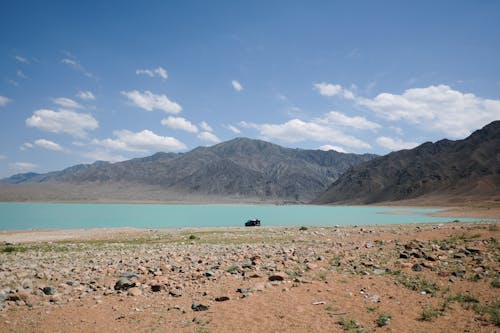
[(238, 168), (460, 169)]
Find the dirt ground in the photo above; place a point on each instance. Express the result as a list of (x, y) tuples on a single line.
[(398, 278)]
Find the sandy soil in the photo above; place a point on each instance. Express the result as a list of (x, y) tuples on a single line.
[(426, 278)]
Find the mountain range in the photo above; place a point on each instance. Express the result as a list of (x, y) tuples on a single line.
[(239, 169), (457, 171)]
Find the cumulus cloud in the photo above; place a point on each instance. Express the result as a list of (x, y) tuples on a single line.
[(328, 89), (438, 108), (338, 118), (297, 130), (394, 143), (149, 101), (23, 166), (4, 100), (179, 123), (236, 85), (161, 72), (209, 137), (144, 141), (85, 95), (330, 147), (63, 121), (66, 103), (232, 128), (206, 127)]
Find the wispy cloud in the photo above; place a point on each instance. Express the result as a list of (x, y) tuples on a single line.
[(149, 101), (22, 59), (236, 85), (394, 144), (20, 74), (85, 95), (66, 103), (206, 127), (4, 100), (159, 71), (63, 121), (208, 137), (179, 123), (74, 63), (232, 128), (23, 166)]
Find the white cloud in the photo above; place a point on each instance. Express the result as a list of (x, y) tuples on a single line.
[(395, 143), (3, 157), (20, 74), (47, 144), (438, 108), (296, 130), (76, 65), (209, 137), (85, 95), (26, 145), (149, 101), (236, 85), (22, 59), (4, 100), (330, 147), (232, 128), (338, 118), (206, 127), (66, 103), (103, 155), (179, 123), (23, 166), (63, 121), (144, 141), (328, 89), (161, 72)]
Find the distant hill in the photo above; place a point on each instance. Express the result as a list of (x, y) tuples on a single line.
[(240, 168), (456, 170)]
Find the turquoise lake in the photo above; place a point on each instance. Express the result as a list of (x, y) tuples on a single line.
[(25, 216)]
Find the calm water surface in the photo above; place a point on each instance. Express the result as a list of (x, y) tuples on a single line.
[(24, 216)]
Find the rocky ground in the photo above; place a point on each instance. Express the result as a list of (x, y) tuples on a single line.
[(408, 278)]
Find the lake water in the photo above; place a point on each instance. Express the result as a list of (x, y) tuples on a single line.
[(25, 216)]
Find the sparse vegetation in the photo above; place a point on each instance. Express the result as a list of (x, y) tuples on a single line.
[(495, 283), (430, 314), (349, 324), (492, 310), (417, 283), (463, 298), (383, 319)]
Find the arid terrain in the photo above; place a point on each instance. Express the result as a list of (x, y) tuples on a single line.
[(403, 278)]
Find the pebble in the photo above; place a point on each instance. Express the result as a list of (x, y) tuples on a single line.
[(199, 307), (49, 291), (124, 283), (134, 291)]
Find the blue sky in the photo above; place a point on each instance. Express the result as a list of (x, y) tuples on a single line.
[(111, 80)]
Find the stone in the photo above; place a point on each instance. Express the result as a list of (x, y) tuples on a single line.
[(459, 273), (134, 291), (310, 266), (417, 268), (404, 255), (199, 307), (175, 293), (222, 299), (278, 276), (209, 274), (124, 283), (49, 291), (459, 255), (247, 264), (156, 288), (27, 284)]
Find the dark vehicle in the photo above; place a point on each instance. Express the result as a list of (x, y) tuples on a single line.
[(252, 223)]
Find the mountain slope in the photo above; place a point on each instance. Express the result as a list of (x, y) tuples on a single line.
[(237, 168), (463, 168)]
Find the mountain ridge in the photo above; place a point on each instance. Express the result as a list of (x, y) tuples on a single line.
[(240, 167)]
